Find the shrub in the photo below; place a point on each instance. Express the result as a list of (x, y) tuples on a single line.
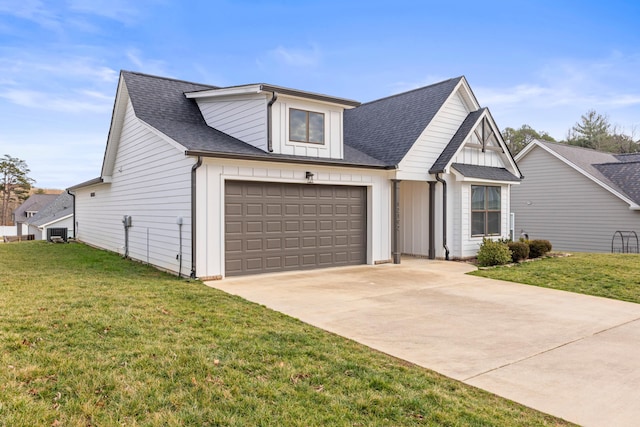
[(519, 251), (538, 248), (493, 253)]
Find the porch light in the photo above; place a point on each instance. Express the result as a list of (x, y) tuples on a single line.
[(309, 176)]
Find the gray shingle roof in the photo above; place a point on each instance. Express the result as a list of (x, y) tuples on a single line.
[(161, 103), (625, 175), (35, 202), (619, 171), (60, 207), (485, 172), (387, 128), (458, 139)]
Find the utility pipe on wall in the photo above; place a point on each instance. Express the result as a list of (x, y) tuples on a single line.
[(274, 97), (444, 215), (193, 216)]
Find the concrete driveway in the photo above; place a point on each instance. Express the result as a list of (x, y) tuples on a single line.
[(570, 355)]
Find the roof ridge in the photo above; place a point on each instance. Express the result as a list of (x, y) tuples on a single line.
[(617, 163), (412, 90), (168, 79)]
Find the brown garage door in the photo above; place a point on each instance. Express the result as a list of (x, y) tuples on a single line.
[(278, 227)]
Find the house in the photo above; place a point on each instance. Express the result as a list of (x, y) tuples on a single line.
[(575, 197), (56, 216), (30, 208), (216, 181)]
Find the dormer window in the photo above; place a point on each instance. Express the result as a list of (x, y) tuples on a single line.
[(306, 126)]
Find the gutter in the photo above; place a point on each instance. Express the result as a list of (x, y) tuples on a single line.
[(74, 213), (193, 216), (274, 97), (282, 159), (444, 215)]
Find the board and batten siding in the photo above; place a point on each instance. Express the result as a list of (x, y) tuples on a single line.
[(414, 218), (213, 174), (557, 203), (151, 182), (243, 117), (332, 147), (475, 156), (433, 139)]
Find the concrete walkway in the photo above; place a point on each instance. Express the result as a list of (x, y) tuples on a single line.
[(570, 355)]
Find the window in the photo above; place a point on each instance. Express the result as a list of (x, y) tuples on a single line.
[(485, 210), (306, 126)]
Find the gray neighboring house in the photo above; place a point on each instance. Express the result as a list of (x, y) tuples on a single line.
[(575, 197), (30, 208), (57, 214)]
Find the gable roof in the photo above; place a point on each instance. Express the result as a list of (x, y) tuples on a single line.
[(60, 207), (458, 139), (387, 128), (35, 202), (617, 173), (161, 103)]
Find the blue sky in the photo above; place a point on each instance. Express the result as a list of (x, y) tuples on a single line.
[(543, 63)]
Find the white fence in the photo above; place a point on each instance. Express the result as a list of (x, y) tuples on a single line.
[(11, 230)]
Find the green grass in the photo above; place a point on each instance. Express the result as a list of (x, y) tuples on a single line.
[(90, 339), (615, 276)]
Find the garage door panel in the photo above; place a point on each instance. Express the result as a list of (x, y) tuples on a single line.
[(277, 227)]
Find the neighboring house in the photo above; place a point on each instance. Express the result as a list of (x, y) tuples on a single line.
[(576, 198), (281, 179), (30, 208), (56, 215)]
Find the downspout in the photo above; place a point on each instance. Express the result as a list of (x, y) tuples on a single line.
[(193, 216), (444, 215), (395, 250), (274, 97), (74, 213), (432, 219)]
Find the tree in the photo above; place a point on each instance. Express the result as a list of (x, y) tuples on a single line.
[(517, 139), (14, 185), (591, 132)]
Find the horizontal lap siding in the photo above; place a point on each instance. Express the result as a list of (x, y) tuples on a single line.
[(151, 182), (245, 119), (433, 140), (557, 203)]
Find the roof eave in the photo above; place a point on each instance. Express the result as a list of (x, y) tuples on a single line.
[(306, 161)]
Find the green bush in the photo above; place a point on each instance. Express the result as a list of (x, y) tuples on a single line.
[(493, 253), (519, 251), (539, 248)]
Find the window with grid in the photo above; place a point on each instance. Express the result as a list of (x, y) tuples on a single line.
[(485, 210), (306, 126)]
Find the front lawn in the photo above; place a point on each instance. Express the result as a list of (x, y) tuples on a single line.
[(90, 339), (614, 276)]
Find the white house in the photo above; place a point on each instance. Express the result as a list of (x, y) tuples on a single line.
[(28, 209), (55, 219), (577, 198), (212, 182)]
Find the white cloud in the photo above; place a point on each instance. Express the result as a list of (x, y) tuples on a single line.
[(150, 66), (553, 97), (292, 57), (32, 10), (125, 11), (54, 102)]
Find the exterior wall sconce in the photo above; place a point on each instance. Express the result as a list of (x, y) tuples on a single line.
[(309, 176)]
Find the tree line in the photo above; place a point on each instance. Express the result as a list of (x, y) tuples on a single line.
[(594, 131), (15, 186)]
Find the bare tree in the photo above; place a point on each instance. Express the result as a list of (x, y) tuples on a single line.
[(14, 185)]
